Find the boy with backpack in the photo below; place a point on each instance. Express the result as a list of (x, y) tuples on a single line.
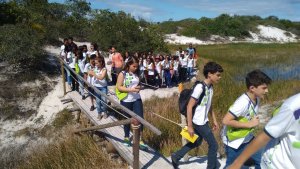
[(282, 133), (197, 116), (242, 117)]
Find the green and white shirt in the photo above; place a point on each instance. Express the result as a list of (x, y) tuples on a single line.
[(130, 81), (284, 150), (201, 112), (242, 107)]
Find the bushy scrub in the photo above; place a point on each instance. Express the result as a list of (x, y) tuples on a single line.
[(20, 44)]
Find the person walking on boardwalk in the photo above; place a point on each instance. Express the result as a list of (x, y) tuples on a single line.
[(197, 121), (128, 82)]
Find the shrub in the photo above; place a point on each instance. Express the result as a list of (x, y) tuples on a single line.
[(20, 45)]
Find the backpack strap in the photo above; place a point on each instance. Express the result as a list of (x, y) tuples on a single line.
[(203, 91)]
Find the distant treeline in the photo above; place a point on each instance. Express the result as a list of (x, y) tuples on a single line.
[(27, 25), (225, 25)]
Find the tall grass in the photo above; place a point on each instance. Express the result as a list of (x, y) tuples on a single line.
[(72, 152), (237, 60)]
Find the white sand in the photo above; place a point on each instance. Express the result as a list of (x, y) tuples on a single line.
[(266, 34)]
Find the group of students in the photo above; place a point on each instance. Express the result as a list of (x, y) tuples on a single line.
[(282, 132), (157, 70), (90, 65)]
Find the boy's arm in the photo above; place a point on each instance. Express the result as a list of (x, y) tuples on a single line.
[(189, 113), (260, 141), (215, 123), (230, 120)]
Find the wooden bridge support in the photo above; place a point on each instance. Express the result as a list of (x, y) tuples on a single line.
[(136, 146)]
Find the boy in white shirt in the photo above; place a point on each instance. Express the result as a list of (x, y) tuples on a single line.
[(197, 121), (244, 108), (282, 133)]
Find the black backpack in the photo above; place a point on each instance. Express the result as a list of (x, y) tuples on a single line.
[(185, 96)]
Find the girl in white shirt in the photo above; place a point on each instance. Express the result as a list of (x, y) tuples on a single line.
[(128, 82), (100, 82)]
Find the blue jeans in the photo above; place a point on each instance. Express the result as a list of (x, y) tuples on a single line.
[(168, 78), (232, 154), (68, 76), (204, 132), (81, 85), (189, 72), (101, 100), (137, 108)]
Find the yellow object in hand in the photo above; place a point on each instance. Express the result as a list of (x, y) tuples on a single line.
[(185, 134)]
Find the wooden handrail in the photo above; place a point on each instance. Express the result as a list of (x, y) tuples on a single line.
[(131, 113), (107, 125)]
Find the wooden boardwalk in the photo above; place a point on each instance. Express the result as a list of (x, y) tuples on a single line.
[(148, 158)]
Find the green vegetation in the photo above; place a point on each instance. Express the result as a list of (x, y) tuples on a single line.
[(225, 25), (27, 25)]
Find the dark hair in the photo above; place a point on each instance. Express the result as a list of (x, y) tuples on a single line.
[(93, 56), (256, 78), (65, 39), (95, 46), (80, 48), (79, 54), (211, 67), (131, 60), (71, 38), (101, 60)]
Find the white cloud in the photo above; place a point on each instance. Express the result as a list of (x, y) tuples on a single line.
[(136, 10)]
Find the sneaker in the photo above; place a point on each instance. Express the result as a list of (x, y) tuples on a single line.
[(143, 146), (100, 116), (105, 115), (92, 108), (82, 97), (174, 161), (127, 142)]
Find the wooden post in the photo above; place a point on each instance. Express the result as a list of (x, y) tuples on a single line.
[(136, 146), (183, 122), (63, 76)]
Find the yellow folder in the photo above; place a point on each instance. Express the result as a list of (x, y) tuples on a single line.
[(185, 134)]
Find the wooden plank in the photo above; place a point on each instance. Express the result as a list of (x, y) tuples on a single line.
[(148, 158)]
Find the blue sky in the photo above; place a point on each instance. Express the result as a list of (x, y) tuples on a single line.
[(163, 10)]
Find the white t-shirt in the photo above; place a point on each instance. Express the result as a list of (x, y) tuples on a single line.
[(131, 81), (284, 150), (91, 53), (158, 67), (150, 69), (71, 59), (242, 107), (201, 111), (183, 61), (87, 68), (62, 51), (175, 65), (97, 82), (190, 62)]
